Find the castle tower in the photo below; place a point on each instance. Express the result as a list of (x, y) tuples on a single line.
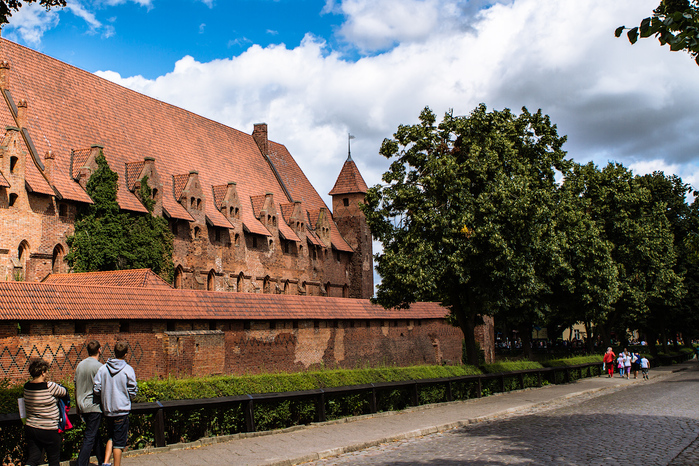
[(347, 194)]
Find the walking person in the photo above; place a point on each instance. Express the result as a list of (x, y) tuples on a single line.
[(86, 405), (608, 360), (620, 364), (645, 365), (627, 363), (115, 384), (41, 404), (635, 364)]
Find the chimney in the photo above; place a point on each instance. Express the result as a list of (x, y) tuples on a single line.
[(149, 162), (22, 113), (259, 134), (4, 74), (48, 163)]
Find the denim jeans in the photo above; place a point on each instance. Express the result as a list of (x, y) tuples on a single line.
[(92, 441)]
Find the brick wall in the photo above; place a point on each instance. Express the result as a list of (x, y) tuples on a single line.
[(234, 347)]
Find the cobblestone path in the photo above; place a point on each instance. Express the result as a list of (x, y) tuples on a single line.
[(654, 424)]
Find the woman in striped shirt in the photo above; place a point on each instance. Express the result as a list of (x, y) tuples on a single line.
[(41, 403)]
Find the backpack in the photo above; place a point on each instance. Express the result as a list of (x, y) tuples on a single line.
[(64, 423)]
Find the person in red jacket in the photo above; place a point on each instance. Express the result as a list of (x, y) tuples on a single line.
[(608, 361)]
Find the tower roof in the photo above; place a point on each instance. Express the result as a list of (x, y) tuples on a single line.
[(349, 180)]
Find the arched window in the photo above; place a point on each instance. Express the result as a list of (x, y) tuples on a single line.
[(198, 204), (237, 239), (197, 231), (231, 212), (274, 220), (266, 288), (13, 163), (286, 287), (13, 199), (345, 291), (237, 213), (327, 289), (192, 202), (154, 193), (178, 277), (210, 281), (239, 285), (57, 259)]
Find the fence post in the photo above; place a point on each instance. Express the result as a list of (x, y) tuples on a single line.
[(539, 374), (521, 380), (450, 395), (159, 426), (480, 387), (249, 414), (415, 395), (372, 400), (567, 374), (320, 406), (502, 383)]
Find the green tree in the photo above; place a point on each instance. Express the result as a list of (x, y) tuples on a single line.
[(674, 23), (464, 216), (106, 238), (588, 286), (8, 6)]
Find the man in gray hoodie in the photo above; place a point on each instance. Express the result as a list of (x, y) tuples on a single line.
[(115, 384)]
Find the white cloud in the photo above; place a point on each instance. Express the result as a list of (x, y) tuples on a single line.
[(29, 24), (615, 101)]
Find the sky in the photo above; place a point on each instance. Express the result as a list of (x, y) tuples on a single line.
[(317, 70)]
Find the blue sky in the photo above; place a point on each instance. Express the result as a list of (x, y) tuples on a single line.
[(314, 70)]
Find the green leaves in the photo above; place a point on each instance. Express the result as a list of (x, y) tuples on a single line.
[(674, 23), (105, 238)]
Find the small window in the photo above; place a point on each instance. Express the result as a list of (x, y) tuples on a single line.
[(237, 239), (231, 212), (62, 210), (198, 204), (124, 326), (254, 241), (13, 199), (274, 221), (192, 202), (24, 328), (197, 231), (154, 193), (237, 213), (13, 164), (345, 201)]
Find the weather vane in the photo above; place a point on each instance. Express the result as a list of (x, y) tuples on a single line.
[(349, 152)]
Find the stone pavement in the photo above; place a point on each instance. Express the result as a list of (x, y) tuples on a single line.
[(308, 443)]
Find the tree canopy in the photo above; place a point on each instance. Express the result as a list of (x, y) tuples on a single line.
[(485, 214), (674, 23), (7, 7), (107, 238)]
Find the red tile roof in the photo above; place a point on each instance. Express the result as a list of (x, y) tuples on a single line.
[(69, 108), (172, 208), (219, 193), (133, 169), (42, 301), (179, 182), (134, 278), (79, 157), (349, 180), (286, 231)]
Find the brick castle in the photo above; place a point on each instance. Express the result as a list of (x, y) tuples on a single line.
[(245, 219)]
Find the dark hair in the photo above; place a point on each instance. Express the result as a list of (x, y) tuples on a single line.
[(38, 367), (120, 349), (93, 348)]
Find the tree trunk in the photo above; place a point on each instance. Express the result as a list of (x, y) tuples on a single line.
[(467, 323), (591, 333), (663, 336), (525, 331), (652, 339)]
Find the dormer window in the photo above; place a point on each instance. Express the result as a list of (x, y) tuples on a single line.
[(13, 163), (345, 201)]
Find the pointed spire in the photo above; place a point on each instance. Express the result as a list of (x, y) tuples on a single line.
[(349, 180)]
